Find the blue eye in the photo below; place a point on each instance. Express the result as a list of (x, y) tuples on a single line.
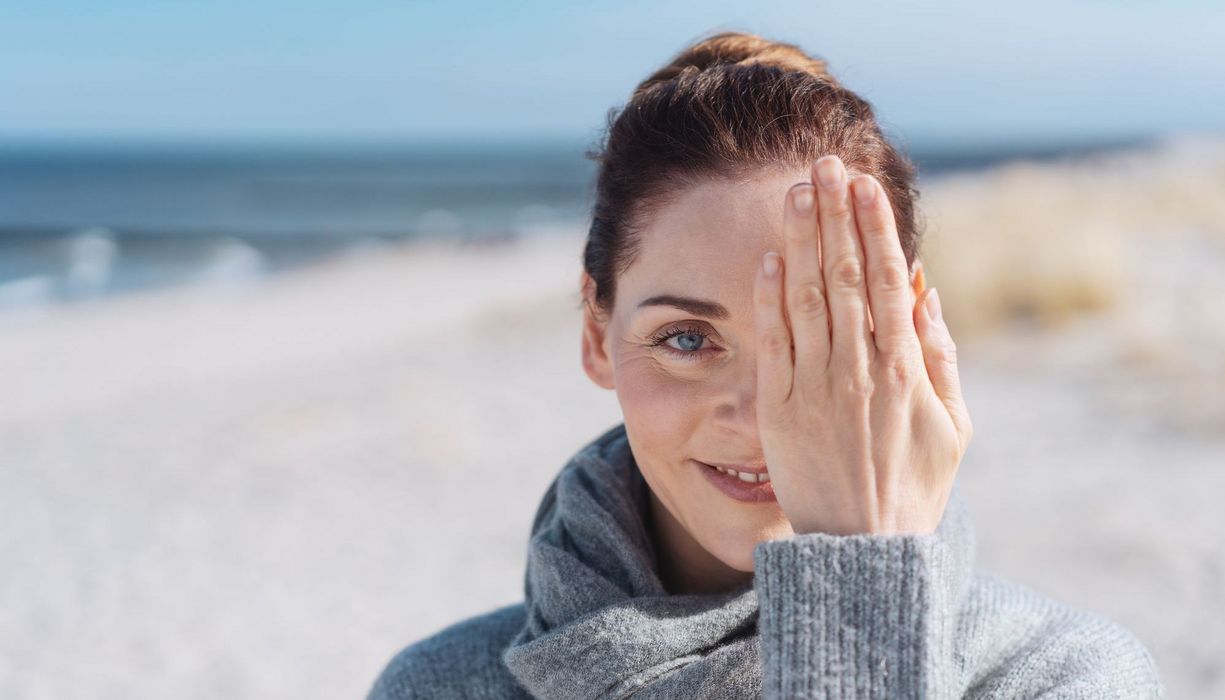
[(661, 339)]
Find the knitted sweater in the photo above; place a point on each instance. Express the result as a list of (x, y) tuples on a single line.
[(825, 616)]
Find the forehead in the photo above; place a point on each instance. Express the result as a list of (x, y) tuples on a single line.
[(708, 240)]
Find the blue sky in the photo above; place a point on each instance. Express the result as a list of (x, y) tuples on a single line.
[(338, 70)]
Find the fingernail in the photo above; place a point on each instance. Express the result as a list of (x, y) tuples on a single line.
[(769, 263), (803, 199), (829, 172), (865, 190), (933, 306)]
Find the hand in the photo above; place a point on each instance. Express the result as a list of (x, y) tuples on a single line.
[(859, 403)]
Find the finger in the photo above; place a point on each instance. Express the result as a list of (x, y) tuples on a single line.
[(807, 310), (775, 364), (888, 279), (940, 356), (843, 264)]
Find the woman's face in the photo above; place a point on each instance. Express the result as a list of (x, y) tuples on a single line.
[(691, 397)]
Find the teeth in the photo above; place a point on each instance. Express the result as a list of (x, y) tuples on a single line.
[(746, 476)]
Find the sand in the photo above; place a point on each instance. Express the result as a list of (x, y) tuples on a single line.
[(267, 489)]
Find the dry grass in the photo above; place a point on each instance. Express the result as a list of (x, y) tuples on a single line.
[(1049, 242)]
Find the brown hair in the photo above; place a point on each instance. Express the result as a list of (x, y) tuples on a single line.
[(723, 107)]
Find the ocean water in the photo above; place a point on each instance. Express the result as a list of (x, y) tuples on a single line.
[(83, 220)]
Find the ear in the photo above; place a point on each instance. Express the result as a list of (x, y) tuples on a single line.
[(596, 362)]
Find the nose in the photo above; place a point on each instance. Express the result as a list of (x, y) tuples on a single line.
[(736, 412)]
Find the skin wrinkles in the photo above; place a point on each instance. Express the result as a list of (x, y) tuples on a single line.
[(706, 244)]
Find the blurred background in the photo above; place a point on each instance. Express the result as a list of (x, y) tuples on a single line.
[(289, 328)]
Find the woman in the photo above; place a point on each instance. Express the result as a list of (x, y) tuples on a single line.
[(776, 516)]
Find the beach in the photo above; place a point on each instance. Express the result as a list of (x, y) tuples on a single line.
[(265, 487)]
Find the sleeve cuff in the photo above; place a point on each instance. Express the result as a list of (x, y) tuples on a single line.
[(851, 616)]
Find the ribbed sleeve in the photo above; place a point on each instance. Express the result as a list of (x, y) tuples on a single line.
[(853, 616)]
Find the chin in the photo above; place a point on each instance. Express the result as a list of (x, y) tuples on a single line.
[(735, 547), (740, 560)]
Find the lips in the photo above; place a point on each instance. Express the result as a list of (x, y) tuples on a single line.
[(748, 487)]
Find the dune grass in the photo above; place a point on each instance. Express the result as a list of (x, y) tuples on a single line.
[(1049, 242)]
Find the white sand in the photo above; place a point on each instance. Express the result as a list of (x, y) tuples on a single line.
[(267, 491)]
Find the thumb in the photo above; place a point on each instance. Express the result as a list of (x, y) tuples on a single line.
[(940, 356)]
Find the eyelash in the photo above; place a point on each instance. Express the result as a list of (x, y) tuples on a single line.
[(660, 339)]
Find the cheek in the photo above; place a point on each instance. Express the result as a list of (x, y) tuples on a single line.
[(662, 409)]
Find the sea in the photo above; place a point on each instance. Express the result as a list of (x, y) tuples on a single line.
[(83, 220)]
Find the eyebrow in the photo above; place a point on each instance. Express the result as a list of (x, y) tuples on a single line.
[(698, 307)]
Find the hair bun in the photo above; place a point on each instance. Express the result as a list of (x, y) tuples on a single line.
[(739, 49)]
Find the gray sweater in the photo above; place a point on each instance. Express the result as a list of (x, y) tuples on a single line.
[(825, 616)]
